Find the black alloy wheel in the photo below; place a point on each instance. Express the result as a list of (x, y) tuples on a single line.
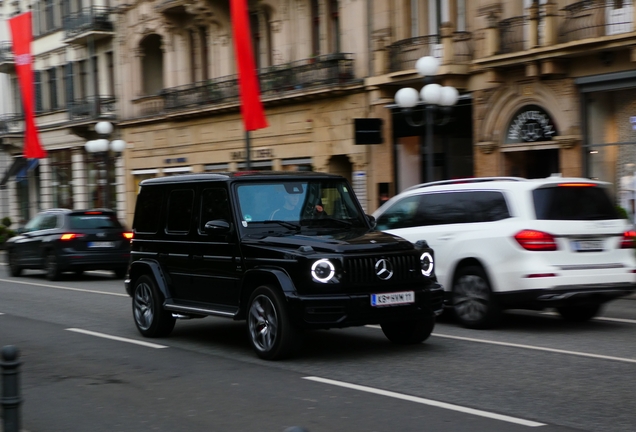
[(269, 327), (147, 306), (51, 266), (472, 299), (14, 269), (409, 332)]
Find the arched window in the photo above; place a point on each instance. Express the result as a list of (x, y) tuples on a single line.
[(151, 65)]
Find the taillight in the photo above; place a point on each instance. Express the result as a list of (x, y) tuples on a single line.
[(71, 236), (536, 240), (627, 242), (128, 235)]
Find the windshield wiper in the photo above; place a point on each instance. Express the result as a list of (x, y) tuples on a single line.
[(284, 223), (329, 219)]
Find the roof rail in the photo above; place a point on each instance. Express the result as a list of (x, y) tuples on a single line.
[(465, 180)]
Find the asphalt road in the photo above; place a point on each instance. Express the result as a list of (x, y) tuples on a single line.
[(86, 368)]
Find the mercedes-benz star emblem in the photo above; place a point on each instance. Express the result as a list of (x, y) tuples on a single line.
[(384, 269)]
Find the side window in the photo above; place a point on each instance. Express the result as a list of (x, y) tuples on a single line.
[(442, 209), (214, 206), (148, 210), (35, 223), (400, 215), (180, 203), (486, 206), (49, 222)]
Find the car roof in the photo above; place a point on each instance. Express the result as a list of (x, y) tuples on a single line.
[(241, 176)]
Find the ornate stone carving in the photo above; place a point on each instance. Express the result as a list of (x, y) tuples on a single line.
[(487, 147)]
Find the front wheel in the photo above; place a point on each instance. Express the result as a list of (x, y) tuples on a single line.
[(150, 317), (579, 313), (14, 269), (473, 301), (269, 327), (409, 332)]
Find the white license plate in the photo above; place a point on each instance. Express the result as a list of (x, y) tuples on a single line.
[(390, 299), (102, 244), (587, 245)]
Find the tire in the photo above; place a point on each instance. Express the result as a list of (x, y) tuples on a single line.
[(52, 266), (269, 327), (409, 332), (147, 305), (14, 269), (579, 313), (472, 299)]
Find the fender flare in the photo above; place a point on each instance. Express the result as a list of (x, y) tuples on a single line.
[(256, 277), (152, 267)]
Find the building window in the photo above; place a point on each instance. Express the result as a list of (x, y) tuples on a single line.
[(315, 28), (152, 64), (52, 89), (61, 178), (110, 64), (203, 39), (334, 26)]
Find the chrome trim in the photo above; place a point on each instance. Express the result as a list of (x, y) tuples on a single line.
[(190, 309), (591, 266)]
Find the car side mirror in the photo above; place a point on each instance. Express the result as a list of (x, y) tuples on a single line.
[(372, 221), (217, 227)]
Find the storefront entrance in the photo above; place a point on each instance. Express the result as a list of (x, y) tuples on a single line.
[(532, 163)]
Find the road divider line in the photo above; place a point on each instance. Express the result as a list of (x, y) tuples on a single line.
[(64, 288), (537, 348), (117, 338), (429, 402), (620, 320)]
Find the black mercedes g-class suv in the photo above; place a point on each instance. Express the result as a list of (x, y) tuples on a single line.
[(284, 251)]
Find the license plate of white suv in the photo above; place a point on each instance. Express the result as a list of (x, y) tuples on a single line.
[(588, 245), (392, 299)]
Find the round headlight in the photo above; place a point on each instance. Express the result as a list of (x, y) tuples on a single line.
[(426, 261), (323, 270)]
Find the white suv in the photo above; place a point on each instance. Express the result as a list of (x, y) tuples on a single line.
[(513, 243)]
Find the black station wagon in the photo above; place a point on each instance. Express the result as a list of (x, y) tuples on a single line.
[(284, 251)]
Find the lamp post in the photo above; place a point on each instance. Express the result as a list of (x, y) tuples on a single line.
[(433, 96), (103, 148)]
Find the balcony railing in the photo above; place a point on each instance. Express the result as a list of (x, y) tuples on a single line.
[(404, 54), (594, 18), (90, 19), (328, 70), (92, 108), (463, 47), (512, 32), (11, 124)]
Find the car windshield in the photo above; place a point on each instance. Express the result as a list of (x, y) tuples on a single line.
[(573, 202), (316, 203)]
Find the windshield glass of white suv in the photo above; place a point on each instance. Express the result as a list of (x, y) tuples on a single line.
[(297, 202), (585, 201)]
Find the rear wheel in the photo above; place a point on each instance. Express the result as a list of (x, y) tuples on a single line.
[(269, 327), (579, 313), (150, 317), (409, 332), (52, 266), (14, 269), (473, 301)]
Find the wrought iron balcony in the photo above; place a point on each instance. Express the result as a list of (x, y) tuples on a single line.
[(282, 80), (7, 63), (404, 54), (92, 21), (593, 19), (11, 124), (512, 33), (92, 108)]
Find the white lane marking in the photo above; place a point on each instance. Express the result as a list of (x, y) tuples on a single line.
[(536, 348), (64, 288), (117, 338), (620, 320), (429, 402)]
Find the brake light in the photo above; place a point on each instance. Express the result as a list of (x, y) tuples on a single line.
[(92, 212), (533, 240), (70, 236), (629, 237), (577, 184), (128, 235)]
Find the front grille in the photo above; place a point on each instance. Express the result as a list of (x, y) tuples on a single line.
[(362, 270)]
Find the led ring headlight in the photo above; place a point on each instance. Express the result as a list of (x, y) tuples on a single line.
[(427, 264), (323, 270)]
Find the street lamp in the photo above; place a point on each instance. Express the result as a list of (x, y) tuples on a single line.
[(108, 151), (433, 96)]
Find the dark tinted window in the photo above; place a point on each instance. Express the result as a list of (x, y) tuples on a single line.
[(95, 221), (485, 206), (180, 204), (400, 215), (442, 208), (214, 206), (573, 203), (148, 210)]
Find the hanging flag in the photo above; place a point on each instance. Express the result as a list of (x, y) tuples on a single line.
[(251, 106), (22, 36)]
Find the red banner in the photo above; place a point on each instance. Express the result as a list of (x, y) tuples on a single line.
[(251, 106), (22, 36)]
